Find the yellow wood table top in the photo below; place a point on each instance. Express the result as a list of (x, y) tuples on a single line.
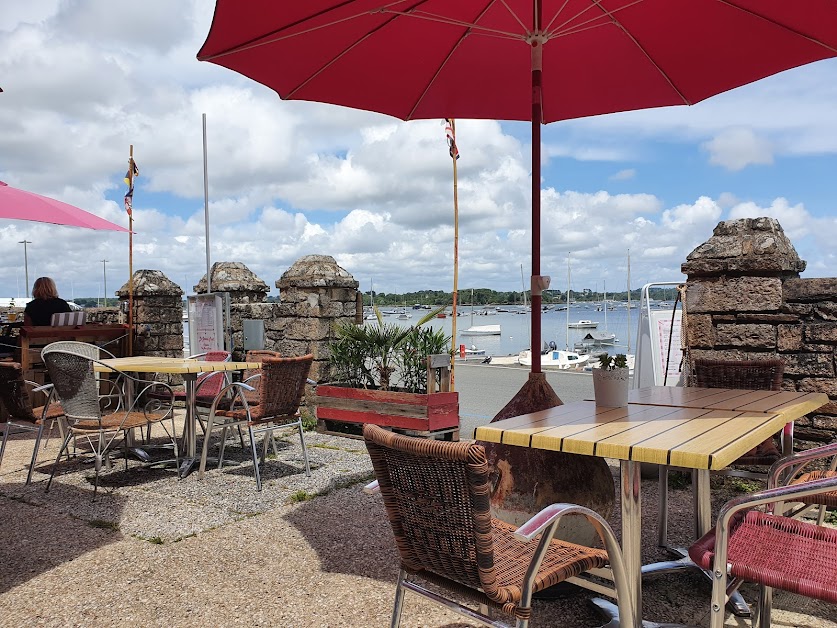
[(152, 364), (697, 428)]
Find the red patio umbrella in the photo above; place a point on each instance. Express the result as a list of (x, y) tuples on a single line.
[(538, 60), (17, 204)]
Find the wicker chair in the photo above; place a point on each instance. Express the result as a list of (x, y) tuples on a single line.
[(772, 551), (282, 387), (743, 374), (436, 496), (22, 416), (75, 383)]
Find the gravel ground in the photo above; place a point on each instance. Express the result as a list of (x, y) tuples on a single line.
[(311, 551)]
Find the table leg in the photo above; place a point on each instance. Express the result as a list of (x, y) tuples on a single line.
[(190, 426), (632, 531)]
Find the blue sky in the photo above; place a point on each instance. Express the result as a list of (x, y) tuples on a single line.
[(289, 179)]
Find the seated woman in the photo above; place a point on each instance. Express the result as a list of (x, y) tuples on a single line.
[(45, 302)]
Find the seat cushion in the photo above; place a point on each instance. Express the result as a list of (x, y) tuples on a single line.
[(779, 552), (118, 421), (54, 411)]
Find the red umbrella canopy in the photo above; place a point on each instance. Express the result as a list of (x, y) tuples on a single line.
[(538, 60), (471, 59), (16, 204)]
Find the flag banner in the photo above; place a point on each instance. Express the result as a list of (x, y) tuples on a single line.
[(133, 172), (452, 148)]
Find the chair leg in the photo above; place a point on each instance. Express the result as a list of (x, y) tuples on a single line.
[(255, 458), (58, 459), (34, 452), (223, 445), (6, 428), (719, 596), (399, 601), (205, 448), (304, 450), (241, 437), (662, 505), (763, 607)]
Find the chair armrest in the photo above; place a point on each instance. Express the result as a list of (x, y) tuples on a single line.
[(311, 382), (797, 462), (237, 388), (546, 522), (372, 488)]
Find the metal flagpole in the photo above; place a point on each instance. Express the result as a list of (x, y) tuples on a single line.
[(450, 131), (206, 207), (129, 204)]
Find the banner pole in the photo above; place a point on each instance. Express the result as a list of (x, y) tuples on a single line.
[(131, 255)]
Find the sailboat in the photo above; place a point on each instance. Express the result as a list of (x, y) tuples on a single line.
[(479, 330), (371, 315)]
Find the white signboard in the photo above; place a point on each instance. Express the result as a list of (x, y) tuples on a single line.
[(206, 323), (659, 353)]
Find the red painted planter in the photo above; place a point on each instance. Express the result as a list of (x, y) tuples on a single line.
[(387, 408)]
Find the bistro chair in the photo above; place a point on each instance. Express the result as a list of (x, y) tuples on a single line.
[(73, 376), (436, 495), (15, 396), (746, 375), (749, 544), (280, 394), (791, 470)]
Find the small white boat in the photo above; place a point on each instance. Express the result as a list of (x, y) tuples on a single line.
[(555, 358), (481, 330), (404, 316), (583, 324), (594, 364), (598, 338), (470, 353)]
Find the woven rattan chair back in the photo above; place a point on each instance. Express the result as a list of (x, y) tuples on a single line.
[(75, 382), (746, 374), (283, 385), (13, 393), (214, 381), (436, 495), (94, 352), (256, 355)]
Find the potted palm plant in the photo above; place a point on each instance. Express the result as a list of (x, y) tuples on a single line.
[(610, 381), (380, 375)]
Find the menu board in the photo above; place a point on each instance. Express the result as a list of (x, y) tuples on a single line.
[(657, 362), (206, 323)]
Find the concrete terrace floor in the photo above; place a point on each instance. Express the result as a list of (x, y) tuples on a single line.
[(312, 551)]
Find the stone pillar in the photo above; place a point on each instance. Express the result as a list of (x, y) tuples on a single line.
[(734, 302), (247, 301), (745, 300), (315, 294), (158, 314)]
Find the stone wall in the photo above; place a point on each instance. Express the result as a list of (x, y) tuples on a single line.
[(158, 314), (315, 293), (745, 300)]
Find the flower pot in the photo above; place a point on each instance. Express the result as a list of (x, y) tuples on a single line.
[(610, 387)]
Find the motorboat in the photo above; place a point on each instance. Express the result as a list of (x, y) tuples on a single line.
[(594, 364), (481, 330), (583, 324), (470, 353), (555, 359), (598, 338)]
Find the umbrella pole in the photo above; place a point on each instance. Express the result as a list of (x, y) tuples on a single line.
[(130, 256), (454, 155), (537, 119)]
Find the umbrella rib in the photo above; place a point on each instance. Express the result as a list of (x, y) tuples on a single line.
[(651, 60), (444, 63), (775, 23), (586, 25)]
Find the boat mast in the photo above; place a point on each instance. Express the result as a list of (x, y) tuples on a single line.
[(629, 300), (604, 287), (568, 301)]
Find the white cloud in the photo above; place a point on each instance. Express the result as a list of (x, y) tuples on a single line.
[(623, 175), (735, 149)]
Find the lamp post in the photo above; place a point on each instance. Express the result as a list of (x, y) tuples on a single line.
[(25, 262), (105, 281)]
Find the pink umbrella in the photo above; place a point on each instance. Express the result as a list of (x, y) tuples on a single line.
[(16, 204)]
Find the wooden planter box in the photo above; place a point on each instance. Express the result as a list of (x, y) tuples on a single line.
[(345, 410)]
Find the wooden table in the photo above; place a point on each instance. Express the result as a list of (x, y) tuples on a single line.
[(696, 428), (114, 335), (189, 370)]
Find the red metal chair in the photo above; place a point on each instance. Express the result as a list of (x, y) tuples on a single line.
[(770, 550)]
